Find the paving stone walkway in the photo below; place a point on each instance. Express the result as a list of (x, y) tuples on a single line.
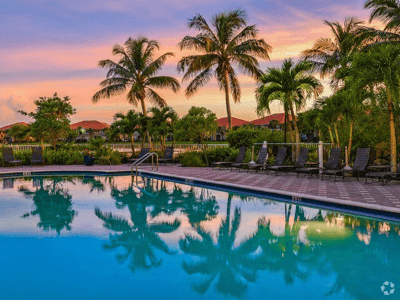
[(348, 190)]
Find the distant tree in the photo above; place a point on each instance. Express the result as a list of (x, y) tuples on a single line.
[(198, 124), (227, 44), (20, 132), (162, 122), (51, 118), (126, 124)]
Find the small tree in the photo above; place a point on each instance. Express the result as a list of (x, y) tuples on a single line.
[(52, 118), (162, 122), (126, 124), (198, 124), (20, 132)]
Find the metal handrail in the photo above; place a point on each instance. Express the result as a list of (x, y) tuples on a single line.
[(142, 159)]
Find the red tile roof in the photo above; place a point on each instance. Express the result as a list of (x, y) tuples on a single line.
[(96, 125), (223, 122), (265, 120), (11, 125)]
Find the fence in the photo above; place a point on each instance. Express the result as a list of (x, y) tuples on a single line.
[(321, 148)]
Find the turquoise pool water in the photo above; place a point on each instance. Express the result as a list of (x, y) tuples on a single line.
[(98, 237)]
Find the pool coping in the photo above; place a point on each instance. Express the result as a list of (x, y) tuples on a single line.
[(323, 202)]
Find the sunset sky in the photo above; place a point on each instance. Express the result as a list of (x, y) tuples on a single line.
[(49, 46)]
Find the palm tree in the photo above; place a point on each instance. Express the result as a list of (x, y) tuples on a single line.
[(380, 67), (294, 82), (387, 11), (135, 72), (230, 43), (162, 122), (126, 124), (329, 54)]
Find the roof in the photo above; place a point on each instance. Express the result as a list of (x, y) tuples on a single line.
[(96, 125), (11, 125), (223, 122), (265, 120)]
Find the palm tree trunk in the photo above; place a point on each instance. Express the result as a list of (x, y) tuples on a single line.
[(143, 104), (350, 139), (296, 129), (132, 145), (337, 135), (228, 105), (393, 146), (291, 138), (331, 136), (228, 210)]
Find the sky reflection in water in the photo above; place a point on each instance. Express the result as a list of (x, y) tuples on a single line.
[(109, 237)]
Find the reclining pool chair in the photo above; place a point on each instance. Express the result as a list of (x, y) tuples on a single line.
[(280, 158), (300, 163), (8, 157), (37, 156), (142, 153), (261, 158), (168, 155), (381, 176), (359, 166), (239, 159), (332, 164)]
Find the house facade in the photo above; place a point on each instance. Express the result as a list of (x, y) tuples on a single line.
[(90, 130)]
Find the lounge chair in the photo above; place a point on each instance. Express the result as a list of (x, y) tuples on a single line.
[(280, 158), (142, 153), (300, 163), (359, 166), (331, 165), (260, 162), (8, 157), (168, 155), (239, 159), (381, 176), (37, 156)]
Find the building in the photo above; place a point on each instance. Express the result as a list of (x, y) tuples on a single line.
[(273, 121), (91, 129), (223, 125)]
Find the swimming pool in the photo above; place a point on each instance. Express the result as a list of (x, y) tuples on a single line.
[(115, 237)]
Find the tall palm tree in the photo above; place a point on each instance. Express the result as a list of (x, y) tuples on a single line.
[(294, 81), (387, 11), (126, 124), (135, 71), (162, 122), (228, 43), (380, 67), (329, 54)]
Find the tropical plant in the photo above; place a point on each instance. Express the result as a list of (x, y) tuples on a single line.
[(380, 67), (387, 11), (227, 44), (162, 123), (20, 132), (126, 124), (329, 55), (135, 72), (293, 84)]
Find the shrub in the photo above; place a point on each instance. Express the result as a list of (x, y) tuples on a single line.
[(221, 154), (242, 137), (192, 159)]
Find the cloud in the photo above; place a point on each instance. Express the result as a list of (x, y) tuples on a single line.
[(9, 108)]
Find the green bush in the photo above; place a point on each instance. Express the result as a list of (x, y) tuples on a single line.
[(221, 154), (242, 137), (192, 159)]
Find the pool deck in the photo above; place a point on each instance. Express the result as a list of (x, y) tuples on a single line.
[(347, 192)]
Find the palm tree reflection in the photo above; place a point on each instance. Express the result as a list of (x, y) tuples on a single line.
[(230, 266), (53, 204)]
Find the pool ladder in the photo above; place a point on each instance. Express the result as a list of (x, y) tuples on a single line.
[(144, 158)]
